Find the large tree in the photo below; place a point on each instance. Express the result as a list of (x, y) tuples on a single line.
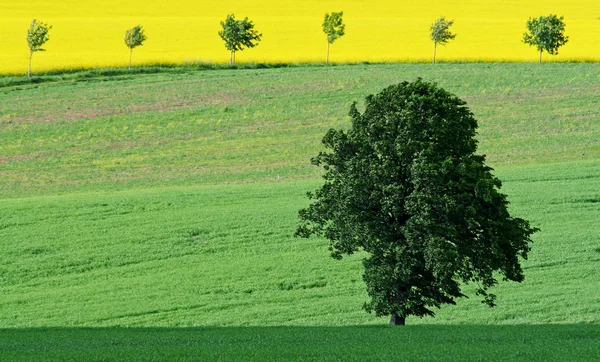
[(238, 34), (404, 185), (134, 37), (333, 27), (546, 33), (440, 33), (37, 36)]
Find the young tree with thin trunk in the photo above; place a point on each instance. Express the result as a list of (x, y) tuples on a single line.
[(238, 34), (440, 33), (333, 27), (37, 36), (134, 37), (546, 33), (405, 185)]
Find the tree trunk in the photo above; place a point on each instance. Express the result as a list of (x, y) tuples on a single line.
[(434, 50), (29, 68), (541, 56), (231, 57), (130, 53), (327, 58), (397, 320)]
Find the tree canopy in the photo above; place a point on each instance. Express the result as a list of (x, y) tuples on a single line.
[(440, 33), (546, 33), (37, 36), (238, 34), (333, 27), (134, 37), (404, 184)]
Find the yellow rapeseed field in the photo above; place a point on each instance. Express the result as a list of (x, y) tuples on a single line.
[(89, 33)]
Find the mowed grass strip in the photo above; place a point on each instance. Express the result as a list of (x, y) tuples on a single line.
[(255, 125)]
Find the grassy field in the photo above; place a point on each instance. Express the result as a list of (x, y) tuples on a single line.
[(90, 33), (366, 343), (117, 132), (224, 256), (170, 199)]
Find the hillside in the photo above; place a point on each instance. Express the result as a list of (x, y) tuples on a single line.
[(238, 126), (170, 199)]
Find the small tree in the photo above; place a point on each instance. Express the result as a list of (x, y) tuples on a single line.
[(333, 27), (37, 36), (134, 37), (404, 184), (238, 34), (440, 33), (545, 33)]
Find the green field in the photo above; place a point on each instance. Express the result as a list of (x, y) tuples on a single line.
[(351, 343), (169, 200)]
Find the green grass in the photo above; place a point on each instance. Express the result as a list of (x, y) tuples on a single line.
[(252, 125), (373, 343), (169, 199), (224, 255)]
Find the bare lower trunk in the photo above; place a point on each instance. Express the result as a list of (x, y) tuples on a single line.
[(541, 56), (434, 50), (130, 53), (230, 58), (397, 320), (327, 58), (29, 68)]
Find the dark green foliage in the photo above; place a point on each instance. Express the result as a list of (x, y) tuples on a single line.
[(404, 184), (238, 34), (37, 36), (134, 37), (546, 33)]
